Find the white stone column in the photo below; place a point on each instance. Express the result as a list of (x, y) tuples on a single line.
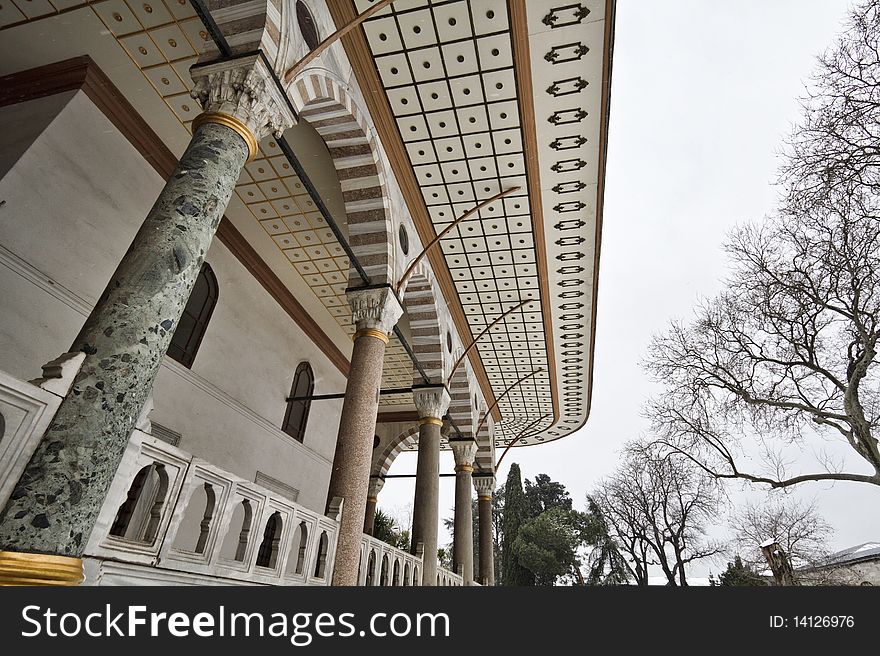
[(463, 538), (432, 402)]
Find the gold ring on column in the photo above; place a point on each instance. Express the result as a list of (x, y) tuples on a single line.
[(430, 420), (233, 124), (483, 497), (371, 332), (464, 468), (39, 569)]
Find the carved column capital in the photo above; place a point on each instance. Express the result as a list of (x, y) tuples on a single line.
[(464, 452), (374, 310), (241, 94), (376, 485), (431, 401), (484, 484)]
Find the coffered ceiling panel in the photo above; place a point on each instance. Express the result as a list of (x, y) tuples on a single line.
[(490, 95)]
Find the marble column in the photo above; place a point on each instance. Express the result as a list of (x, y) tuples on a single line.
[(432, 402), (463, 537), (376, 485), (485, 486), (58, 497), (375, 311)]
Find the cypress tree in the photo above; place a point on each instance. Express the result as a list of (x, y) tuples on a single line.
[(515, 514)]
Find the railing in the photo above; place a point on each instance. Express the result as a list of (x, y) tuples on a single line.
[(448, 579), (384, 565), (192, 522), (25, 412), (172, 518)]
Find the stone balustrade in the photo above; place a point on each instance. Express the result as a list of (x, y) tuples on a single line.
[(448, 579), (384, 565), (171, 518)]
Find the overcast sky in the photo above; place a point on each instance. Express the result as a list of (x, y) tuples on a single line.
[(703, 92)]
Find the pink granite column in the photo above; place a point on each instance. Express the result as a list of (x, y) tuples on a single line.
[(485, 486), (375, 311)]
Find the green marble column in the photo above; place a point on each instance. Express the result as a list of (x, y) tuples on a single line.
[(57, 500)]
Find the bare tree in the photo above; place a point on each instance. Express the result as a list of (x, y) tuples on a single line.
[(836, 147), (785, 355), (657, 510), (626, 526), (797, 527)]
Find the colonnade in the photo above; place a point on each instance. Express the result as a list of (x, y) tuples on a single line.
[(46, 524)]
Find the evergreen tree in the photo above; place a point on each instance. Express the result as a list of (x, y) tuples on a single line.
[(387, 530), (737, 574), (544, 494), (515, 515)]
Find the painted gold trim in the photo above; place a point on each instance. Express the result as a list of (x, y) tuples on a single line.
[(370, 332), (430, 420), (483, 497), (373, 499), (233, 124), (464, 469), (39, 569)]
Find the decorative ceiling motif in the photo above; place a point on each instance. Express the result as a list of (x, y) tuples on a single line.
[(486, 96), (164, 39)]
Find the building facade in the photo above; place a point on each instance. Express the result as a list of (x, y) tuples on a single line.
[(259, 248)]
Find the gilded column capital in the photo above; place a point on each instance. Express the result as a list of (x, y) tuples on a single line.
[(464, 452), (432, 402), (374, 310), (241, 94), (376, 485), (484, 484)]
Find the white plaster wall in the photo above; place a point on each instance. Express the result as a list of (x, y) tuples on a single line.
[(73, 201)]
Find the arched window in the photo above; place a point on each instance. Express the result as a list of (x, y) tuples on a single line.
[(371, 566), (138, 517), (307, 26), (297, 414), (194, 320), (267, 555), (383, 577), (321, 563)]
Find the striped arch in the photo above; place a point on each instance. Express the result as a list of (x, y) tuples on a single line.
[(485, 441), (322, 101), (383, 460), (247, 25), (461, 406), (420, 300)]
